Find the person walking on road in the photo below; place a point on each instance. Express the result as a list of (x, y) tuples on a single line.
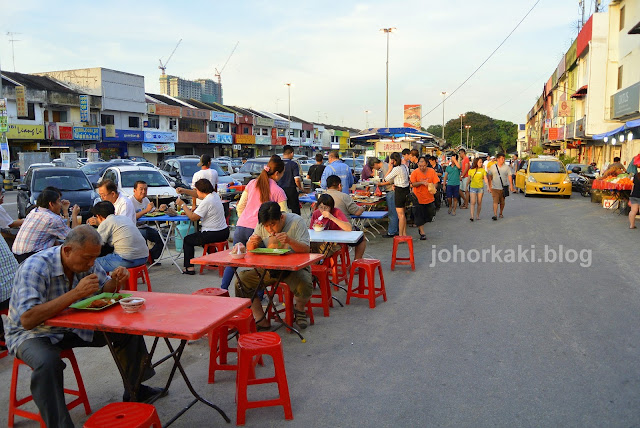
[(465, 164), (424, 181), (499, 180), (315, 171), (290, 180), (452, 183), (399, 177), (477, 180)]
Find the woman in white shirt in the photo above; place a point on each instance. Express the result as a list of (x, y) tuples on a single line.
[(213, 223), (399, 177)]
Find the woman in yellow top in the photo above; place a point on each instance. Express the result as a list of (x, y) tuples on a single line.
[(478, 178)]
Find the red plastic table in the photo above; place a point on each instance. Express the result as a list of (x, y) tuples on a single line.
[(167, 315), (287, 262)]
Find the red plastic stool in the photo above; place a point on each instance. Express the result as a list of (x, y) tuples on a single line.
[(15, 403), (405, 260), (125, 415), (254, 345), (220, 292), (219, 345), (367, 267), (214, 247), (321, 280), (4, 353), (136, 273)]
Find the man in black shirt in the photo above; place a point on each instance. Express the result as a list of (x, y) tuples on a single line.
[(315, 171), (290, 181)]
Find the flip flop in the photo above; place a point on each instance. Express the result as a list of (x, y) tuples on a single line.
[(471, 219)]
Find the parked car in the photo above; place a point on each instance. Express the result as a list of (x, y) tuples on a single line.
[(72, 182), (226, 166), (137, 159), (355, 165), (182, 169), (125, 176), (543, 176), (94, 170), (251, 169), (14, 172)]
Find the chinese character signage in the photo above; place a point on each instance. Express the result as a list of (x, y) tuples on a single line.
[(391, 146), (194, 113), (21, 102), (110, 131), (159, 137), (158, 148), (412, 115), (84, 108), (3, 115), (86, 133), (564, 108), (245, 139), (217, 138)]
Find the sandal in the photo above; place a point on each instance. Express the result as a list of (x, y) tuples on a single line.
[(423, 237), (301, 319)]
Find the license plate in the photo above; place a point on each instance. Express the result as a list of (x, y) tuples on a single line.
[(550, 189)]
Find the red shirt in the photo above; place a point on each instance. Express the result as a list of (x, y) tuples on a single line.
[(465, 163), (328, 224)]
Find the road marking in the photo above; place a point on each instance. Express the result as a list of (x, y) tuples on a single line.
[(10, 203)]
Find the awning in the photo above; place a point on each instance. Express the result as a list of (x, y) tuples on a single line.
[(580, 93), (631, 124), (635, 29)]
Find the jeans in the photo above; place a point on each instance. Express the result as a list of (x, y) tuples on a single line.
[(151, 234), (112, 261), (199, 239), (242, 235), (394, 228), (47, 379)]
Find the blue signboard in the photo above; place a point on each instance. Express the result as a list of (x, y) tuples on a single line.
[(159, 137), (216, 138), (84, 108), (123, 135), (281, 123), (218, 116), (86, 133)]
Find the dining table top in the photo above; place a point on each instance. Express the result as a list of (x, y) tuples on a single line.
[(165, 217), (171, 315), (289, 261), (336, 236)]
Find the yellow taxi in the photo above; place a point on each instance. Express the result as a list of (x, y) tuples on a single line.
[(543, 176)]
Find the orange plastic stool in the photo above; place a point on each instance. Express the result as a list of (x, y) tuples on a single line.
[(405, 260), (367, 267), (214, 247), (125, 415), (220, 292), (15, 403), (136, 273), (254, 345), (321, 280), (4, 353), (219, 345)]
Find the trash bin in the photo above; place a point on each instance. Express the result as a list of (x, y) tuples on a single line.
[(183, 228)]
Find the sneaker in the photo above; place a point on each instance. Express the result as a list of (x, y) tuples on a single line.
[(423, 237), (301, 319)]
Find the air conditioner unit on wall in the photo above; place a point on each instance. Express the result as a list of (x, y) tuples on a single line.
[(220, 125)]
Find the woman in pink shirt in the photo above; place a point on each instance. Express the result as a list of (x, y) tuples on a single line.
[(263, 189), (332, 219)]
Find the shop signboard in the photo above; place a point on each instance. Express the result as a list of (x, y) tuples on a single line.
[(123, 135), (569, 132), (4, 116), (86, 133), (195, 113), (284, 124), (84, 108), (564, 108), (412, 115), (158, 148), (306, 142), (219, 138), (65, 132), (25, 132), (159, 137), (579, 133), (390, 146), (110, 131), (4, 149), (264, 121), (294, 141), (553, 133), (219, 116), (164, 110), (21, 102), (626, 101), (245, 139), (263, 140)]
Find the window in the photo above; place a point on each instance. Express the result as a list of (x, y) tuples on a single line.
[(154, 121), (245, 130), (59, 116), (621, 18), (107, 119), (93, 119), (265, 131), (31, 112), (134, 122), (620, 77), (173, 124)]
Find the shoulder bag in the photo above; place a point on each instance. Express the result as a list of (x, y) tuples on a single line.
[(505, 189)]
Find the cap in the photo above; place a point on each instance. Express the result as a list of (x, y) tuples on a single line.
[(204, 160)]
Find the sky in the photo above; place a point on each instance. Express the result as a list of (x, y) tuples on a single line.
[(332, 52)]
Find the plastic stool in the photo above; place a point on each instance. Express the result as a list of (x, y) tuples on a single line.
[(219, 345), (214, 247), (15, 403), (136, 273), (219, 292), (338, 263), (405, 260), (125, 415), (321, 279), (250, 346), (366, 267)]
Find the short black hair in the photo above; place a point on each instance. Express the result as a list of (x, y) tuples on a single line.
[(463, 151), (269, 211), (135, 185), (326, 199), (204, 186), (319, 157), (499, 155), (46, 197), (415, 152), (55, 189), (333, 181), (103, 209), (287, 149), (406, 152), (616, 159), (109, 185)]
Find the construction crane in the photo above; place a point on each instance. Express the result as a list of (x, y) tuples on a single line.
[(219, 73), (162, 66)]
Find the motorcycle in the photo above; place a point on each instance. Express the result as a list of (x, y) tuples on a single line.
[(581, 182)]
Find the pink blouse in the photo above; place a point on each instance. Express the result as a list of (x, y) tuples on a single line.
[(249, 217)]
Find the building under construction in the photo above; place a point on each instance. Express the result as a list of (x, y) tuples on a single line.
[(205, 90)]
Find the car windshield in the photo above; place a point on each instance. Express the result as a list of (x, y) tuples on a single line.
[(547, 167), (189, 168), (253, 167), (216, 168), (68, 181), (152, 178), (91, 169), (583, 167)]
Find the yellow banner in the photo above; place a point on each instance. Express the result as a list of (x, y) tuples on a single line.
[(21, 102), (110, 131), (26, 132)]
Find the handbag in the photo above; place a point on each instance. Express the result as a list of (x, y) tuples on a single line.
[(505, 189)]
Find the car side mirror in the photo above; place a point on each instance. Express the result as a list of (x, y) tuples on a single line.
[(23, 187), (173, 174), (172, 184)]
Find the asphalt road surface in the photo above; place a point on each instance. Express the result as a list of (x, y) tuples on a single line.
[(511, 341)]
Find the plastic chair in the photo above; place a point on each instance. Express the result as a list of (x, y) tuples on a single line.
[(366, 267), (255, 345), (125, 415), (15, 403), (403, 260), (136, 273), (214, 247)]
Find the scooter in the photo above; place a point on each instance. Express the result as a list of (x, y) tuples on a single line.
[(581, 182)]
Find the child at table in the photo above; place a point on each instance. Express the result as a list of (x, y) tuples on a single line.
[(332, 219)]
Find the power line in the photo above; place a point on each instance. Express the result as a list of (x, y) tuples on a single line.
[(484, 62)]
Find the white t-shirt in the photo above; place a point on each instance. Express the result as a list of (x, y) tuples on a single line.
[(139, 206), (210, 174), (211, 213), (5, 219), (124, 207)]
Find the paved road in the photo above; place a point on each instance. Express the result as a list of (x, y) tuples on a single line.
[(457, 344)]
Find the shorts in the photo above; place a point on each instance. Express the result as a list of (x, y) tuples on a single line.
[(464, 184), (498, 196), (476, 189), (453, 191), (401, 194), (633, 200)]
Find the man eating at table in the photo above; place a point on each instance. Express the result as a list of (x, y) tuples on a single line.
[(276, 229), (46, 284)]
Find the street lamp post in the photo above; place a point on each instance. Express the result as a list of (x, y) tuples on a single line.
[(366, 117), (289, 93), (387, 31), (444, 98), (461, 116), (467, 127)]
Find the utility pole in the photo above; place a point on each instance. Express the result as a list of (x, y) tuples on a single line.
[(11, 34), (467, 127), (461, 116), (387, 31), (444, 95)]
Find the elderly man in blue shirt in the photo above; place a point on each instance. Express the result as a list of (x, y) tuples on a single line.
[(46, 284), (339, 168)]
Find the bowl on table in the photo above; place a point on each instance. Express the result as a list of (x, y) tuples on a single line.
[(318, 227), (238, 255), (132, 304)]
